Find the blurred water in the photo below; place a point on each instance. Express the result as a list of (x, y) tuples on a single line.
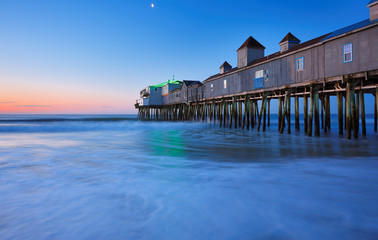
[(113, 177)]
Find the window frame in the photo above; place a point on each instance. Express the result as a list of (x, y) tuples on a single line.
[(224, 83), (297, 69), (259, 71), (351, 52), (258, 79)]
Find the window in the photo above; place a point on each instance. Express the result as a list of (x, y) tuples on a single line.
[(225, 84), (155, 89), (348, 52), (259, 79), (211, 87), (259, 74), (299, 64), (266, 75)]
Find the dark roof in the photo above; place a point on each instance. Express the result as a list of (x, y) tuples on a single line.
[(350, 28), (291, 38), (372, 1), (189, 83), (226, 64), (251, 43), (196, 84)]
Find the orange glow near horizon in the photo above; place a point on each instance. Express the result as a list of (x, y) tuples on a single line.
[(50, 99), (63, 109)]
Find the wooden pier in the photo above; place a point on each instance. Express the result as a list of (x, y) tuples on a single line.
[(249, 110)]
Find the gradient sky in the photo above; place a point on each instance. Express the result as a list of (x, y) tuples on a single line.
[(73, 56)]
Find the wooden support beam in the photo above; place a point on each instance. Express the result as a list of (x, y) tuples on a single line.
[(322, 110), (328, 112), (264, 120), (348, 112), (345, 106), (297, 126), (363, 121), (279, 113), (288, 114), (357, 117), (261, 112), (375, 109), (240, 111), (256, 111), (203, 111), (322, 107), (214, 110), (311, 111), (340, 112), (305, 113), (252, 113), (235, 106), (285, 110), (232, 113), (227, 113), (268, 112), (247, 107), (245, 112), (325, 106), (354, 111), (224, 113), (316, 111)]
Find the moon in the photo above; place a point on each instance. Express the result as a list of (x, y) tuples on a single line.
[(152, 5)]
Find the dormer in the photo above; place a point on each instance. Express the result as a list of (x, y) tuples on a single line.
[(288, 42), (249, 51), (373, 6), (225, 67)]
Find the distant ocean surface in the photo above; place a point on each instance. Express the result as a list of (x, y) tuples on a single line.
[(114, 177)]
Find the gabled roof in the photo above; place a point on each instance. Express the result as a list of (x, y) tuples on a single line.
[(372, 1), (291, 38), (251, 43), (226, 64)]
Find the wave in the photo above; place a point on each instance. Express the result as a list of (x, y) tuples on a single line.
[(84, 124)]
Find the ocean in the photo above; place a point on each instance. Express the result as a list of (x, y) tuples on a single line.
[(114, 177)]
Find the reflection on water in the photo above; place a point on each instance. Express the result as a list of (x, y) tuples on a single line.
[(156, 180)]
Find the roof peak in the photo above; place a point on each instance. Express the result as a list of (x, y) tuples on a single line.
[(251, 43), (226, 64), (291, 38)]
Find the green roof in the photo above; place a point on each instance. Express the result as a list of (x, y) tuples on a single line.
[(173, 81)]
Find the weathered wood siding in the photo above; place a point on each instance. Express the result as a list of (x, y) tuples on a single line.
[(155, 97), (365, 57)]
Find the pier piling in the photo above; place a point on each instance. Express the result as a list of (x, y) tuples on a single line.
[(340, 112), (305, 113), (297, 128)]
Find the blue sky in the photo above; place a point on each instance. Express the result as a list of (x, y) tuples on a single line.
[(95, 56)]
